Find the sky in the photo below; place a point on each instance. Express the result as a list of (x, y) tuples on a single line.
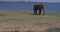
[(56, 1)]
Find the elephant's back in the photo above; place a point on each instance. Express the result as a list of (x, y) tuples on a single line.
[(38, 6)]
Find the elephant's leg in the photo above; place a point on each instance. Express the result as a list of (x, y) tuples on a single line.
[(35, 11), (43, 11), (39, 11)]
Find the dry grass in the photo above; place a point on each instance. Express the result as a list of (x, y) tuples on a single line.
[(23, 21)]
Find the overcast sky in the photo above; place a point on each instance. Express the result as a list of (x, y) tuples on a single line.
[(36, 0)]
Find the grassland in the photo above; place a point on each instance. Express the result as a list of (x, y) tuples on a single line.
[(26, 21)]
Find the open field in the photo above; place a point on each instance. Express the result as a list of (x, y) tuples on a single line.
[(26, 21)]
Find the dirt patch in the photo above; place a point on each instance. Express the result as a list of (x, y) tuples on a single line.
[(11, 27)]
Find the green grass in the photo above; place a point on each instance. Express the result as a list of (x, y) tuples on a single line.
[(26, 16), (52, 30), (54, 14), (2, 14)]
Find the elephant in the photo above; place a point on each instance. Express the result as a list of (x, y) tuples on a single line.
[(39, 7)]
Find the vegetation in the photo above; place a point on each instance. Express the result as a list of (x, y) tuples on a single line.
[(52, 30), (28, 21)]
